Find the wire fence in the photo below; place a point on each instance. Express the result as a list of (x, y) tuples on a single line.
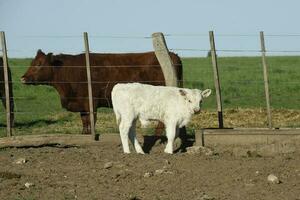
[(184, 43), (38, 108)]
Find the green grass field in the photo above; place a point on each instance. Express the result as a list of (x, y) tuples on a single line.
[(38, 108)]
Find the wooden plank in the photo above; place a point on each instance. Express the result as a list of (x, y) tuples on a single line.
[(46, 140), (163, 57), (216, 78), (250, 142), (89, 80), (266, 79), (6, 83), (255, 136)]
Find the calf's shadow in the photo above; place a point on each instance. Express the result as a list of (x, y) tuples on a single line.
[(186, 141)]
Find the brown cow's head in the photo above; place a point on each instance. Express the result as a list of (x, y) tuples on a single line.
[(40, 70)]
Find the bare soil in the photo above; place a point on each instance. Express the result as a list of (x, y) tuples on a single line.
[(104, 172)]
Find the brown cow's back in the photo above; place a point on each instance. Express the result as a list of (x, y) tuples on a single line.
[(106, 71)]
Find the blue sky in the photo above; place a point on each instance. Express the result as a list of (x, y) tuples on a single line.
[(57, 25)]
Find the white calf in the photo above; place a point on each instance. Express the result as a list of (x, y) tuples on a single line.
[(171, 105)]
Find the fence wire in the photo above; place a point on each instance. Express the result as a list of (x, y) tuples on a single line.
[(38, 108)]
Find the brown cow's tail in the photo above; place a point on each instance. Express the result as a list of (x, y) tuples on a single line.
[(113, 99), (177, 63), (179, 72)]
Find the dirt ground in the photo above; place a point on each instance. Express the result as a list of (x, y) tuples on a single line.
[(104, 172)]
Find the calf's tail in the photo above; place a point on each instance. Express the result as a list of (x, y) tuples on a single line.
[(114, 103)]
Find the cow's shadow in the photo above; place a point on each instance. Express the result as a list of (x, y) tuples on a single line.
[(39, 122), (186, 141)]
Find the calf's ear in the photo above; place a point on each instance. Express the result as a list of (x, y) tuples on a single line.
[(206, 93)]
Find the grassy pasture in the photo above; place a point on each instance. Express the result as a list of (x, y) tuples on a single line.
[(38, 108)]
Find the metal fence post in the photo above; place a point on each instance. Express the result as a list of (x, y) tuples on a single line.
[(89, 81), (6, 82), (216, 78), (266, 79)]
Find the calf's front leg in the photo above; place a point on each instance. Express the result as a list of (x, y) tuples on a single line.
[(171, 134)]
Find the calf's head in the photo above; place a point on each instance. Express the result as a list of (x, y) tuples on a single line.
[(40, 70), (194, 98)]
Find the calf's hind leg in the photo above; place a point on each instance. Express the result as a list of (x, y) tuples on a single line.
[(133, 139), (124, 129)]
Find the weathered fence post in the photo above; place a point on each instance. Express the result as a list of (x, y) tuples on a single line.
[(163, 57), (89, 81), (266, 79), (216, 78), (6, 82)]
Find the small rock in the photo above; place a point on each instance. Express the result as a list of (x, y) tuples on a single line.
[(206, 197), (200, 150), (148, 174), (108, 165), (119, 165), (167, 162), (122, 174), (159, 171), (249, 184), (253, 154), (208, 152), (28, 184), (193, 150), (169, 172), (20, 161), (133, 197), (257, 172), (273, 179)]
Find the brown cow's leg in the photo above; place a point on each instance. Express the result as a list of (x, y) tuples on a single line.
[(12, 105), (95, 118), (85, 118), (159, 129), (12, 114)]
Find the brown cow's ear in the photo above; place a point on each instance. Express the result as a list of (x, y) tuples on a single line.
[(40, 53)]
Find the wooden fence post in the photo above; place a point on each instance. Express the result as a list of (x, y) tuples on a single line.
[(163, 57), (216, 78), (266, 79), (89, 81), (6, 82)]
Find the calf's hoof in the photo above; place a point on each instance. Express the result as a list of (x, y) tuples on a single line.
[(140, 152), (168, 151)]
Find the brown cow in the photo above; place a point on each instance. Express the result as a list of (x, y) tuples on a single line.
[(67, 74), (2, 91)]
